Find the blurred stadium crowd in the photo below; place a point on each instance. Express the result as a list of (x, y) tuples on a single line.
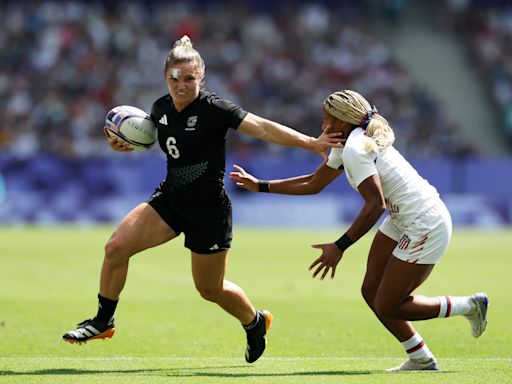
[(65, 64), (487, 27)]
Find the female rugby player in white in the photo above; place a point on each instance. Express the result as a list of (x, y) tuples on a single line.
[(409, 242), (192, 129)]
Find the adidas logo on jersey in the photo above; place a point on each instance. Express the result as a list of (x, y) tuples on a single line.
[(214, 247), (163, 120)]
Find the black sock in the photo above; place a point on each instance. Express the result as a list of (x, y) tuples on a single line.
[(106, 309), (253, 323)]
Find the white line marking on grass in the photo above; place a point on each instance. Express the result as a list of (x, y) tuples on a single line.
[(132, 358)]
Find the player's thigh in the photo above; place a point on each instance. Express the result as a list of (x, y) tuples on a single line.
[(378, 258), (399, 280), (140, 229), (208, 270)]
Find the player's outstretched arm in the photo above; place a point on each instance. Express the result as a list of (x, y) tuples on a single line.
[(273, 132), (300, 185)]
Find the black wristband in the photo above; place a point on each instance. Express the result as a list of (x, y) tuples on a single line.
[(264, 185), (343, 242)]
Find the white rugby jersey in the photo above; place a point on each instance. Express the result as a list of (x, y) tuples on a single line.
[(407, 194)]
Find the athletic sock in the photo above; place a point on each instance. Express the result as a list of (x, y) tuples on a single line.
[(253, 323), (106, 309), (416, 348), (454, 306)]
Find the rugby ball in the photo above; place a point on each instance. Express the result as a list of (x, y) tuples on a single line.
[(132, 125)]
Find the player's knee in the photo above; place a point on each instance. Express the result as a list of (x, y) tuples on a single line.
[(368, 293), (209, 294), (115, 250), (386, 308)]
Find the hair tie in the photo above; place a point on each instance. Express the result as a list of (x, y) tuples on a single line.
[(368, 116)]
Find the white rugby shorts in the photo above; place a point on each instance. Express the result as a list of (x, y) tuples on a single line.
[(425, 239)]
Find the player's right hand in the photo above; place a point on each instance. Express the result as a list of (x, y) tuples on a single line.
[(117, 144), (244, 179)]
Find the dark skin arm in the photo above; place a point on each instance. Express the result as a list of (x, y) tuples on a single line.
[(300, 185), (371, 191)]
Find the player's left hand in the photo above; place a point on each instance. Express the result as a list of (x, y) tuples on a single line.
[(326, 141), (331, 256)]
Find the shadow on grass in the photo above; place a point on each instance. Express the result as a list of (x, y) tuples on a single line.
[(71, 371), (193, 372), (76, 371), (181, 372), (270, 374)]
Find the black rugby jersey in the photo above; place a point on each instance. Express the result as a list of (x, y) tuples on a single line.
[(194, 141)]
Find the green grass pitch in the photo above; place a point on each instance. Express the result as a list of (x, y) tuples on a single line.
[(322, 331)]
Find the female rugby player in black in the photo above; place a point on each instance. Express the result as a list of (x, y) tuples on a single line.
[(192, 127)]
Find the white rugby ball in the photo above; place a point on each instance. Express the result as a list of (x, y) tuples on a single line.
[(132, 125)]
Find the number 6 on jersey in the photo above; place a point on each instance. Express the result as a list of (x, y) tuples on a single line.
[(172, 148)]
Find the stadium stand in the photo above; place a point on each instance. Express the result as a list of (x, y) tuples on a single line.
[(486, 26), (65, 64)]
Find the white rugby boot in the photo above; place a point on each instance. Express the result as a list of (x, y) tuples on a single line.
[(416, 365), (478, 317)]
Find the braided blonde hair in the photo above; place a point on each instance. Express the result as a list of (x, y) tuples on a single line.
[(353, 108), (183, 51)]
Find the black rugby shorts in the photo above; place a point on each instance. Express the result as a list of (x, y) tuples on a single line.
[(207, 229)]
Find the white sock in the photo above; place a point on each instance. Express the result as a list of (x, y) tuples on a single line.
[(454, 306), (416, 348)]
